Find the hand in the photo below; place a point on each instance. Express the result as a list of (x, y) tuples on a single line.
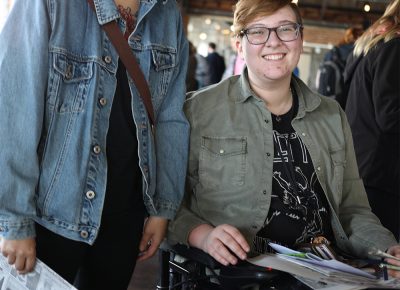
[(220, 242), (394, 251), (154, 232), (20, 253)]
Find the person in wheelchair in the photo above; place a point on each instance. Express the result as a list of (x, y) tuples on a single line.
[(271, 160)]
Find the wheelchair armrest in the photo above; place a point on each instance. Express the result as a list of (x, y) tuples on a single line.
[(242, 269), (197, 255)]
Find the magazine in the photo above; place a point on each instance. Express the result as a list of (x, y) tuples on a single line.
[(41, 278)]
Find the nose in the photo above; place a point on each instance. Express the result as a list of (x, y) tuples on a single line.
[(273, 39)]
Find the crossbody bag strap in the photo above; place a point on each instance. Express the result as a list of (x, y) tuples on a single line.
[(125, 53)]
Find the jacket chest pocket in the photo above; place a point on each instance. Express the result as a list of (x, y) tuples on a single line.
[(158, 64), (222, 162), (69, 84)]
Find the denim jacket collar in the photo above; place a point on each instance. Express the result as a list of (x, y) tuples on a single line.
[(107, 11)]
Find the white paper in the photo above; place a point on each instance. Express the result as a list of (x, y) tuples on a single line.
[(318, 276), (41, 278), (317, 261)]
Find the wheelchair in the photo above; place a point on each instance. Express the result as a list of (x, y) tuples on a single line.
[(187, 268)]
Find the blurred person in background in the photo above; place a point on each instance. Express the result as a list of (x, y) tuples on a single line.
[(373, 111), (236, 62), (216, 64), (330, 80), (191, 81)]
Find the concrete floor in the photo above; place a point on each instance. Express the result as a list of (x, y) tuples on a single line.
[(146, 274)]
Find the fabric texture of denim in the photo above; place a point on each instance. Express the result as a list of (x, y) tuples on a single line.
[(231, 162), (56, 89)]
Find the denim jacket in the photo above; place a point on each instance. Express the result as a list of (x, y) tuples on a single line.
[(231, 165), (57, 85)]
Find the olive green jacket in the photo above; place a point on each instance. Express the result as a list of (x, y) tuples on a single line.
[(229, 178)]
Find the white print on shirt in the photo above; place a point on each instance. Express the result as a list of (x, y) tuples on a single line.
[(305, 204)]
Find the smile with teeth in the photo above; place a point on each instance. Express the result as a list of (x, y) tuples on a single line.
[(274, 56)]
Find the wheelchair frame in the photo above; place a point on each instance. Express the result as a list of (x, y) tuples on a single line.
[(186, 268)]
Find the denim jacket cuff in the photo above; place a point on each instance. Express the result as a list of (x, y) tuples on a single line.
[(17, 230)]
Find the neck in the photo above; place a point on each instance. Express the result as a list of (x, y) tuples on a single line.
[(128, 10), (132, 4), (278, 99)]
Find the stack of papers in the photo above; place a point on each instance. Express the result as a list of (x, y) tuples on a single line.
[(321, 274), (42, 277)]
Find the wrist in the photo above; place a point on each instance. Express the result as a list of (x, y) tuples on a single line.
[(198, 236)]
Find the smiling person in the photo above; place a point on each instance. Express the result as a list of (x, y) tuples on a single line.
[(87, 186), (271, 160)]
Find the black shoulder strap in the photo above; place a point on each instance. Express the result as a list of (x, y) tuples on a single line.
[(121, 45)]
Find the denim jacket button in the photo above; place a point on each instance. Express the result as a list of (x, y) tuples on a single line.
[(103, 101), (68, 73), (107, 59), (90, 194), (96, 149), (84, 234)]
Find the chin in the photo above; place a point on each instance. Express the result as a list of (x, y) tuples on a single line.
[(278, 75)]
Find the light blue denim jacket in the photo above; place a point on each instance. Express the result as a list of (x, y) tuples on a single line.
[(57, 85)]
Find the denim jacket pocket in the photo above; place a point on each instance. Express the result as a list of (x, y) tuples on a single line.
[(338, 164), (163, 64), (222, 162), (69, 82)]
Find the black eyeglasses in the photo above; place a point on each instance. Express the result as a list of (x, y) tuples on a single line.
[(260, 34)]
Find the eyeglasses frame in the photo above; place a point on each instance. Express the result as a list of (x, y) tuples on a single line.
[(299, 28)]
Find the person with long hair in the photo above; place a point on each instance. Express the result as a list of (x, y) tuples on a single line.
[(373, 111)]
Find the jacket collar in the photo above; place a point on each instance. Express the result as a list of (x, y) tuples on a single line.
[(107, 11), (308, 100)]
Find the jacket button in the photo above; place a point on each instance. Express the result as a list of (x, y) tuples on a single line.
[(68, 73), (319, 168), (84, 234), (90, 194), (107, 59), (96, 149), (264, 192), (103, 101), (268, 154)]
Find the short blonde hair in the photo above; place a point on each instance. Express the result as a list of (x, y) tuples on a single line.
[(246, 11)]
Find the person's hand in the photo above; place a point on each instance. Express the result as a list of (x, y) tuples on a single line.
[(224, 243), (154, 232), (394, 251), (20, 253)]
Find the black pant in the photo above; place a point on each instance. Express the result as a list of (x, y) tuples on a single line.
[(107, 264)]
